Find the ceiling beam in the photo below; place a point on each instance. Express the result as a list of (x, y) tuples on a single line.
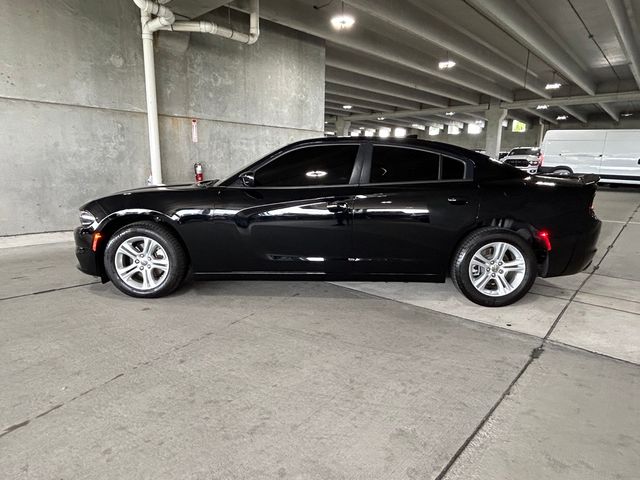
[(334, 110), (340, 100), (508, 14), (626, 36), (302, 16), (541, 114), (601, 99), (355, 62), (612, 112), (348, 79), (427, 27), (575, 114), (363, 93)]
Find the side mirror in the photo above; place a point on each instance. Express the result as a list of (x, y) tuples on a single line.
[(248, 179)]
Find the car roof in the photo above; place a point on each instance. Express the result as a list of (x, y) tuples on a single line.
[(411, 142)]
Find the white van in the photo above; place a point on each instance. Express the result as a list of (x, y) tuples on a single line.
[(612, 154)]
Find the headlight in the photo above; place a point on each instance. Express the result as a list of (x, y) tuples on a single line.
[(86, 218), (534, 162)]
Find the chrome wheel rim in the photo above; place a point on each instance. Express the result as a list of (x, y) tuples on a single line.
[(497, 269), (142, 263)]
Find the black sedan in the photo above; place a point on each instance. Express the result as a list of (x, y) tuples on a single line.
[(349, 208)]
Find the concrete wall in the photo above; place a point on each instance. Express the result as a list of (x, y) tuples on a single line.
[(72, 104)]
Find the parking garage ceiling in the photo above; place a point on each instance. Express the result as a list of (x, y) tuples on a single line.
[(387, 64)]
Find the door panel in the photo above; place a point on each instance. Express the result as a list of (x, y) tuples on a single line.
[(411, 228), (281, 230)]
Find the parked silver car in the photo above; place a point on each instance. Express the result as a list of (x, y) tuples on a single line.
[(528, 159)]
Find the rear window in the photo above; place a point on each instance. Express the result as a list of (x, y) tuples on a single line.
[(398, 164), (524, 151)]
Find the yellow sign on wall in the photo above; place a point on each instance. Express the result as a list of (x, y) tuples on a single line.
[(518, 127)]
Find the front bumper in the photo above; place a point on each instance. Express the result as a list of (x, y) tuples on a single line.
[(574, 253), (87, 259)]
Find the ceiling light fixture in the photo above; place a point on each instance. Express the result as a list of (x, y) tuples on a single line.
[(561, 117), (626, 114), (542, 107), (450, 114), (446, 64), (347, 107), (380, 118), (553, 86), (342, 21)]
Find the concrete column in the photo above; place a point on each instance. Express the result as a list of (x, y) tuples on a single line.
[(342, 127), (542, 130), (495, 117)]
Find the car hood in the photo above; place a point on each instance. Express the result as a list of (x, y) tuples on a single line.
[(165, 188)]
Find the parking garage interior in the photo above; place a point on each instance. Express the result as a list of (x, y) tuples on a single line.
[(306, 379)]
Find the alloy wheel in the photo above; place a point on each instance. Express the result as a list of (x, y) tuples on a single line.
[(142, 263), (497, 269)]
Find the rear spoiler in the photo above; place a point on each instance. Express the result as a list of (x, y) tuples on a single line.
[(585, 179), (589, 178)]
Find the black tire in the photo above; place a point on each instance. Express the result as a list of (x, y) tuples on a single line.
[(177, 259), (474, 243)]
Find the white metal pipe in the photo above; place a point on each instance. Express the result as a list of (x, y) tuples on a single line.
[(152, 107), (164, 19)]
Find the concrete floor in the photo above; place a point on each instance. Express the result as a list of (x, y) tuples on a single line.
[(253, 380)]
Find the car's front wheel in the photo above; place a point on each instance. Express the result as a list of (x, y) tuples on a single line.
[(145, 259), (494, 267)]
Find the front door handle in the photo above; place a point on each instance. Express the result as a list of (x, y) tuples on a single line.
[(338, 207), (457, 200)]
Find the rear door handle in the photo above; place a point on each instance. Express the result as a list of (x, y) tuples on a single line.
[(457, 200), (337, 207)]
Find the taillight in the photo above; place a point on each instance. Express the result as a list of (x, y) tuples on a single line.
[(543, 235), (540, 158)]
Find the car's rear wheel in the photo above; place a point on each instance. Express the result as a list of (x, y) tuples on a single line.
[(145, 259), (494, 267)]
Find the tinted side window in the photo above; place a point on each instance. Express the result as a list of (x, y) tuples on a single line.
[(309, 166), (397, 164), (452, 169)]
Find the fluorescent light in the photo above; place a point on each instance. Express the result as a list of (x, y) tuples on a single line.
[(316, 173), (400, 132), (433, 131), (418, 126), (561, 117), (553, 86), (343, 22), (453, 130), (474, 129), (542, 107), (626, 114), (450, 114), (384, 132), (380, 118), (330, 133), (446, 64), (347, 107)]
